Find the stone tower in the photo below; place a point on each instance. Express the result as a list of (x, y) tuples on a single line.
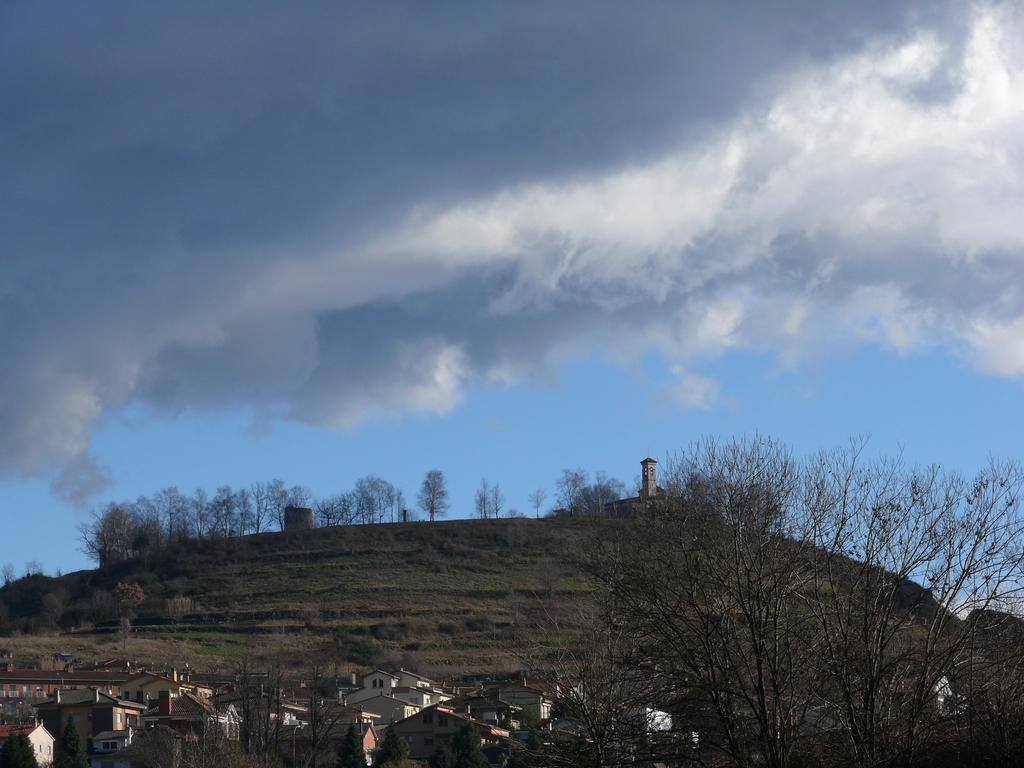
[(297, 518), (648, 479)]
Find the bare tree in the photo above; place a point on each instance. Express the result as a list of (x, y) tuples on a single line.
[(261, 506), (594, 687), (260, 710), (902, 554), (569, 490), (482, 500), (244, 512), (299, 496), (346, 508), (786, 607), (200, 513), (398, 509), (277, 497), (709, 600), (222, 512), (172, 508), (109, 537), (536, 500), (323, 718), (496, 501), (374, 498), (595, 496), (327, 511), (7, 573), (433, 495)]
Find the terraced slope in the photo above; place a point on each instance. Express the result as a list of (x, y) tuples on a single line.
[(448, 596)]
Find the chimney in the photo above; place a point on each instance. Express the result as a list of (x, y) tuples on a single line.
[(164, 704), (56, 697), (174, 674), (96, 695)]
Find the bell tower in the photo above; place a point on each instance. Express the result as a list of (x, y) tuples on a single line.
[(648, 479)]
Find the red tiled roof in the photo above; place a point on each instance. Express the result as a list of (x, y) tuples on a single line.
[(57, 676), (184, 706), (7, 731)]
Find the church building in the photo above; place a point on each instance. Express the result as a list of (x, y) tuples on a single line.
[(650, 494)]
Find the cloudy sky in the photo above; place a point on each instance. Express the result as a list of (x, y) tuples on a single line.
[(248, 240)]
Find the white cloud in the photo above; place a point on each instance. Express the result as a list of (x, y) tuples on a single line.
[(855, 206), (695, 391)]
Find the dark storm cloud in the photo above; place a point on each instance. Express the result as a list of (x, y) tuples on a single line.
[(339, 211)]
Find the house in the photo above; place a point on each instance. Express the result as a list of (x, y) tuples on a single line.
[(259, 700), (420, 696), (488, 708), (91, 710), (386, 709), (42, 740), (526, 697), (430, 728), (295, 742), (405, 677), (40, 684), (146, 687), (106, 749), (192, 715), (376, 683)]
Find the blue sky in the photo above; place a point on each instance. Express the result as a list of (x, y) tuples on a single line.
[(595, 415), (318, 242)]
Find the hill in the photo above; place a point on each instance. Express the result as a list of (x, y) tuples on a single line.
[(442, 597)]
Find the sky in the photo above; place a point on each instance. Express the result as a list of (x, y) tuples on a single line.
[(320, 241)]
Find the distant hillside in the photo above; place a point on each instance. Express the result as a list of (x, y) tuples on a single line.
[(444, 596)]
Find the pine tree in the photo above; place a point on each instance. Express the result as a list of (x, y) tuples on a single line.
[(351, 754), (442, 757), (393, 749), (466, 749), (70, 751), (17, 752)]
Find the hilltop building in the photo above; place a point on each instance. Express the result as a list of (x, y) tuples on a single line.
[(650, 495), (298, 518)]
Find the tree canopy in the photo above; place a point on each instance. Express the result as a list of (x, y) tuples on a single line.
[(351, 754), (17, 752), (69, 751)]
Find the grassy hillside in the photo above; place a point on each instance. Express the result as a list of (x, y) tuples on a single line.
[(446, 597)]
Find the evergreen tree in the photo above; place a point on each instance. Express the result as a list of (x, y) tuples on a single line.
[(70, 749), (442, 757), (351, 754), (393, 749), (17, 752), (466, 749), (518, 759)]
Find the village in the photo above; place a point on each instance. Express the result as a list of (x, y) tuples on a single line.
[(119, 709)]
